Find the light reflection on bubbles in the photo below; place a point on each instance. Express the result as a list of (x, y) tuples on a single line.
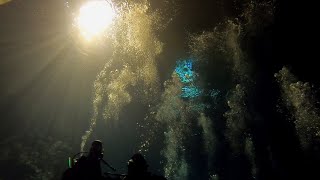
[(131, 70), (91, 24), (298, 97), (94, 18)]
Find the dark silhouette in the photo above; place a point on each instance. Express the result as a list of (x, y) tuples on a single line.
[(138, 169), (87, 167)]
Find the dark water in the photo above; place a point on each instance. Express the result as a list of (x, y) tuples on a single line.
[(204, 89)]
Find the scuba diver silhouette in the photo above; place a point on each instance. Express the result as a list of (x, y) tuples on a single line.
[(88, 167), (138, 169)]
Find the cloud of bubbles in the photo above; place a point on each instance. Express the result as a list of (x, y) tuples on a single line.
[(132, 67), (223, 44), (176, 114), (299, 98), (209, 140), (172, 111)]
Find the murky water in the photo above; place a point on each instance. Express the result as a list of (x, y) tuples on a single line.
[(201, 120)]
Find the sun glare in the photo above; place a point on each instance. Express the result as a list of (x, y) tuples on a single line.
[(94, 18)]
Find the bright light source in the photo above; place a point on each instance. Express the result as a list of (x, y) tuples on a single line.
[(94, 18)]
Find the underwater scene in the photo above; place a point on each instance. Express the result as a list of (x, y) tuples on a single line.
[(158, 89)]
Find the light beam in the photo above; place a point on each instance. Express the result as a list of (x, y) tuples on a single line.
[(94, 18)]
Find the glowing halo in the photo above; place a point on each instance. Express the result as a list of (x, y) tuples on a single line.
[(94, 18)]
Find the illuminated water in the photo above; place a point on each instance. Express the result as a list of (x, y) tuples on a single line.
[(201, 121), (185, 100), (189, 109)]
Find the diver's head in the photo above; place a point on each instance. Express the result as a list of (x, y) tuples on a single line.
[(137, 165), (96, 150)]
